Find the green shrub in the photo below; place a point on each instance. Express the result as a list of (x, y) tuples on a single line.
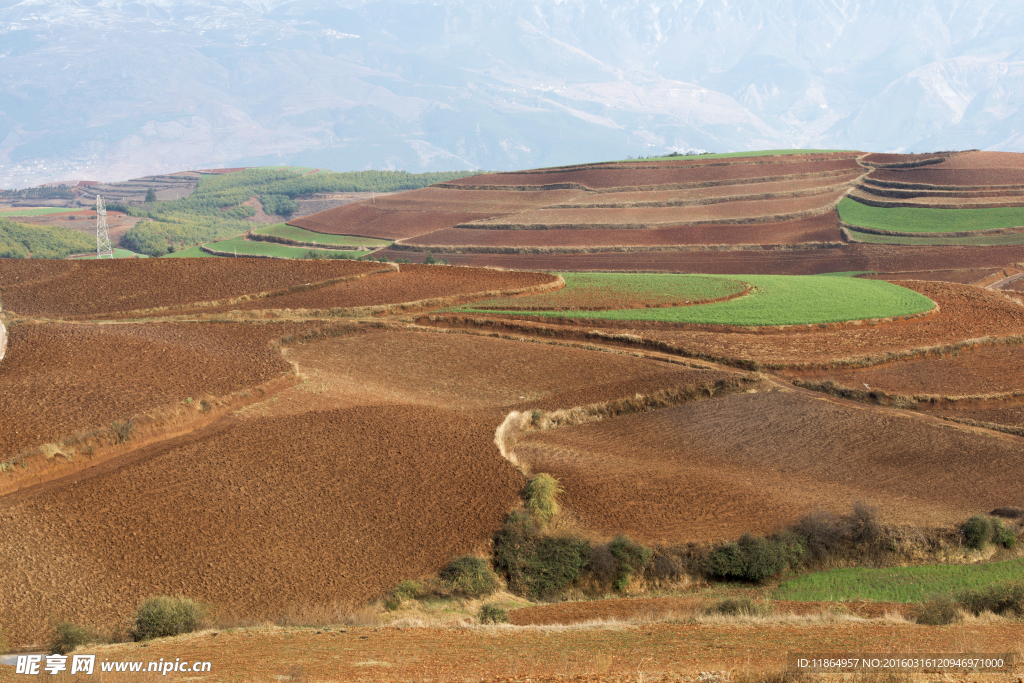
[(1001, 598), (122, 430), (542, 497), (937, 610), (536, 565), (977, 531), (163, 615), (492, 614), (406, 590), (469, 576), (67, 636), (1003, 535), (752, 558), (630, 558), (429, 260)]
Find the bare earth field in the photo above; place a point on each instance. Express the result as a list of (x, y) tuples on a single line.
[(962, 276), (367, 220), (754, 462), (943, 175)]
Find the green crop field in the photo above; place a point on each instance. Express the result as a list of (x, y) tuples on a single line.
[(622, 290), (240, 246), (972, 241), (191, 252), (41, 211), (300, 235), (929, 220), (118, 253), (897, 584), (733, 155), (774, 300)]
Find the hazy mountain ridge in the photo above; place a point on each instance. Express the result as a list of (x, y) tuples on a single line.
[(114, 89)]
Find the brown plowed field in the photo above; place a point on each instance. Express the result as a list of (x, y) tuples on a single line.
[(366, 220), (70, 289), (820, 228), (1015, 285), (473, 201), (549, 219), (627, 609), (867, 257), (470, 372), (60, 378), (883, 159), (597, 178), (754, 462), (722, 191), (985, 160), (1011, 415), (256, 517), (972, 372), (942, 175), (412, 283), (962, 276), (982, 202)]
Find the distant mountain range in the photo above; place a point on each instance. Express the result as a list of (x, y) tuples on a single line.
[(113, 89)]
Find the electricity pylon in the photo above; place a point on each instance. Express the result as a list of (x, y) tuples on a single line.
[(103, 247)]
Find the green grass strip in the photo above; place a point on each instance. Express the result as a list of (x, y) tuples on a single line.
[(241, 246), (41, 211), (191, 252), (929, 220), (775, 300), (118, 253), (897, 584), (300, 235)]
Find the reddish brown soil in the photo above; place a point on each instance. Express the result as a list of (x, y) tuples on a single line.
[(367, 220), (723, 191), (867, 257), (625, 609), (754, 462), (656, 653), (411, 283), (971, 372), (623, 176), (649, 217), (821, 228), (473, 201), (962, 276), (59, 378), (1015, 285), (257, 517), (603, 298), (883, 159), (940, 174), (469, 372), (1007, 415), (973, 160), (70, 289)]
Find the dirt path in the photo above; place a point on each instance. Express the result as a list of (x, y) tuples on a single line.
[(999, 284)]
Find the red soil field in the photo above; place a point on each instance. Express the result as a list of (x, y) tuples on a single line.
[(820, 228), (884, 159), (60, 378), (721, 191), (942, 175), (257, 517), (996, 412), (411, 283), (366, 220), (469, 372), (1016, 285), (472, 201), (755, 462), (70, 289), (654, 653), (972, 372), (659, 216), (868, 257), (623, 176), (986, 160)]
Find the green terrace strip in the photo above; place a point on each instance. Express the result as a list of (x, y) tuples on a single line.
[(289, 232), (244, 247), (897, 584), (774, 300), (735, 155), (969, 241), (42, 211), (596, 291), (929, 220)]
